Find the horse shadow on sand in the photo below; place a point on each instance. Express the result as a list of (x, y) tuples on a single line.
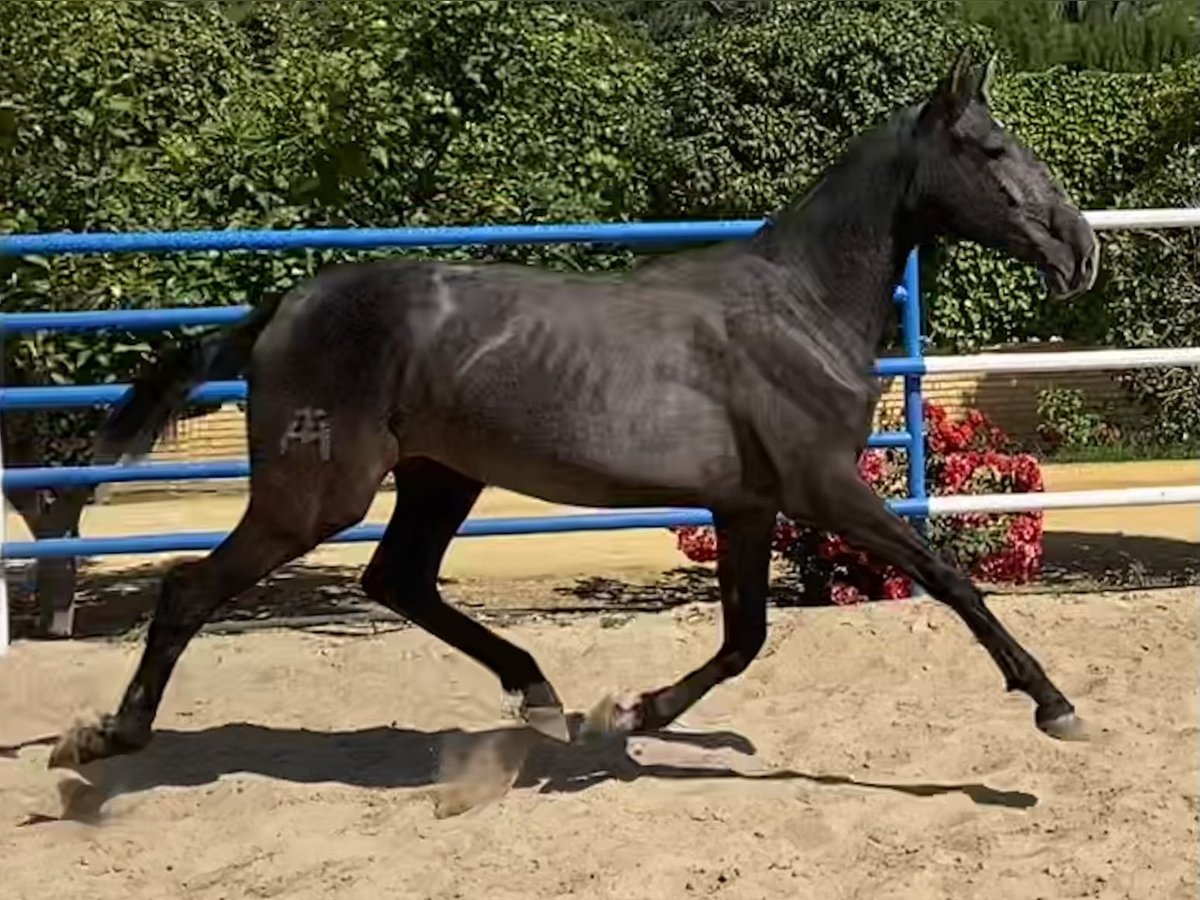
[(460, 769)]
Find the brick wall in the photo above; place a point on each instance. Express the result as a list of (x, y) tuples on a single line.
[(1008, 400), (218, 435)]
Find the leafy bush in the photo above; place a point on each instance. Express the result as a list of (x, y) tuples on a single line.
[(117, 115), (1153, 299), (1112, 35), (1067, 422), (759, 105), (120, 115), (967, 456), (124, 115)]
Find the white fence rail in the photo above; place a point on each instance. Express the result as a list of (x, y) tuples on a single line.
[(1077, 361), (1009, 503), (1067, 361), (1113, 219)]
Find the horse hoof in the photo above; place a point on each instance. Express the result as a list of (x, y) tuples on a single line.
[(550, 721), (598, 720), (610, 717), (84, 742), (78, 745), (1067, 727)]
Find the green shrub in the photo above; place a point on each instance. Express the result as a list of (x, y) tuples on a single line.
[(1153, 300), (759, 107), (124, 115), (1110, 35), (121, 115), (1068, 423)]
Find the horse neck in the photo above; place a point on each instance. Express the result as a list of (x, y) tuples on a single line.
[(844, 247)]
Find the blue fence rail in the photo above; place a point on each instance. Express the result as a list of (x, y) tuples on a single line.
[(911, 367)]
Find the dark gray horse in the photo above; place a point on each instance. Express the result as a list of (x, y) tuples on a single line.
[(736, 378)]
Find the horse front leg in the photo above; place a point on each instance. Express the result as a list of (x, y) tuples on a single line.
[(840, 501), (743, 572)]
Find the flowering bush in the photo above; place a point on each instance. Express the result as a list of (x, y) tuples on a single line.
[(965, 456)]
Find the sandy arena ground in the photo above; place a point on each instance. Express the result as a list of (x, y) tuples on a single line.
[(888, 764), (869, 752)]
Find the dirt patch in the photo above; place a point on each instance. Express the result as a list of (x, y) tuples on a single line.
[(868, 753)]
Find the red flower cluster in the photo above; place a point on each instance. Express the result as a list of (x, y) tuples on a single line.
[(972, 432), (698, 543), (1020, 559), (967, 456), (971, 471)]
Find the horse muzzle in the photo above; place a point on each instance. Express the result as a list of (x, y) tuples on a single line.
[(1071, 261)]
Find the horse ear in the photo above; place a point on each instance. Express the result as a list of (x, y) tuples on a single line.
[(953, 93), (983, 81), (955, 79)]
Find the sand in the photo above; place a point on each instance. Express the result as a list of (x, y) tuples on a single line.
[(869, 753)]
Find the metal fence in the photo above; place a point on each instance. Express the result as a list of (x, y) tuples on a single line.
[(912, 366)]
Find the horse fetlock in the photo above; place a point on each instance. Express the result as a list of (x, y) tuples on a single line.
[(611, 716), (550, 721), (540, 694), (1013, 683), (109, 736)]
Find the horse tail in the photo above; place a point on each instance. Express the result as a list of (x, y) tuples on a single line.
[(161, 391)]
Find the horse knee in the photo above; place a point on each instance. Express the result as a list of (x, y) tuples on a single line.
[(738, 657), (394, 582)]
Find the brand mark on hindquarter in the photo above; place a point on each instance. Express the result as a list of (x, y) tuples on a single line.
[(309, 425)]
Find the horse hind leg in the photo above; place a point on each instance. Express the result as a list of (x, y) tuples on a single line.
[(743, 574), (431, 503), (283, 521)]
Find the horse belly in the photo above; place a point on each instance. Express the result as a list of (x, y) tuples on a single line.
[(585, 461)]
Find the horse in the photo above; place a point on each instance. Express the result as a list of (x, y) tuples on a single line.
[(735, 377)]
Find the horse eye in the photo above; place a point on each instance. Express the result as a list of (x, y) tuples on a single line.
[(993, 151)]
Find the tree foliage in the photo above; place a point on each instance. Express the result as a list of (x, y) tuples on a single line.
[(1162, 310), (90, 92), (148, 114), (1098, 35), (664, 21), (759, 107), (120, 115)]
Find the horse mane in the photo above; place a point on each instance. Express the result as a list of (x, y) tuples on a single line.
[(891, 139)]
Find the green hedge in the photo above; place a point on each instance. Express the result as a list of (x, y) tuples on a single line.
[(120, 115), (758, 109), (1153, 299), (123, 115)]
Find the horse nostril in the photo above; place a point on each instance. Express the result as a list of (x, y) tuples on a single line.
[(1089, 265)]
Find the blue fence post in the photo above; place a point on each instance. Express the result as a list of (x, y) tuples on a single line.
[(914, 413)]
